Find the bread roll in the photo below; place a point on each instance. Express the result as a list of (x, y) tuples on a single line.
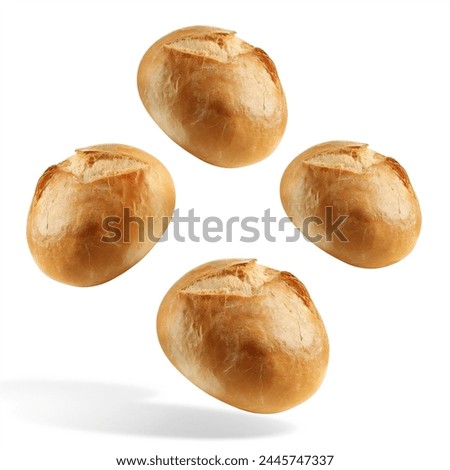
[(246, 334), (354, 203), (98, 213), (213, 94)]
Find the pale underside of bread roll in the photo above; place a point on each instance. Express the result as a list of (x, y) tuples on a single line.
[(80, 227), (213, 94), (246, 334), (369, 192)]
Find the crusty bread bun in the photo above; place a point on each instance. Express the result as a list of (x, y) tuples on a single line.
[(213, 94), (367, 197), (83, 226), (246, 334)]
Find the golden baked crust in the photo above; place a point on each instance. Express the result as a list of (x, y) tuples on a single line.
[(213, 94), (66, 228), (246, 334), (374, 192)]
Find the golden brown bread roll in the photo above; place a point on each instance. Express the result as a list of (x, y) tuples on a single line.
[(83, 226), (246, 334), (367, 197), (213, 94)]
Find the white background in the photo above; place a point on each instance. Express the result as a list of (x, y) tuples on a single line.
[(83, 379)]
